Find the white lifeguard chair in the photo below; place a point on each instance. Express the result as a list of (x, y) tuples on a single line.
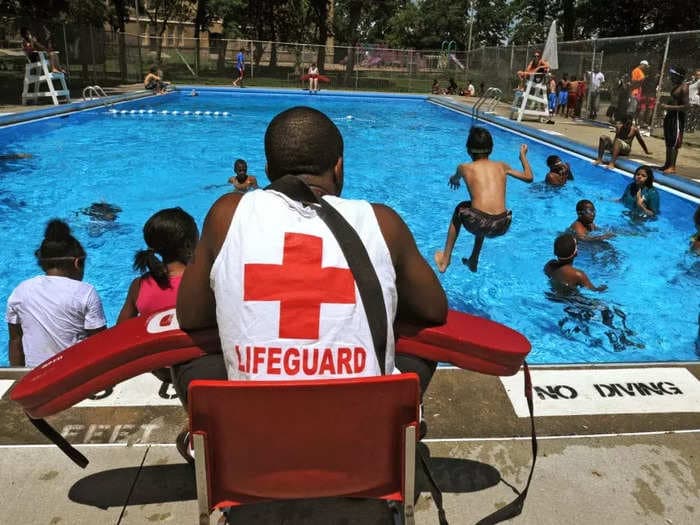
[(37, 73), (535, 94)]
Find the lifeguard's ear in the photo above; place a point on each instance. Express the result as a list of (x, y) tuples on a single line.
[(338, 175)]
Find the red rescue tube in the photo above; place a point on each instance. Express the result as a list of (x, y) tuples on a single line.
[(143, 344), (321, 78)]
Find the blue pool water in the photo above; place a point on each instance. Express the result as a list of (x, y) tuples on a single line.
[(398, 150)]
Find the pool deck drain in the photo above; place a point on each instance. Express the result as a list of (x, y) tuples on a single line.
[(629, 468)]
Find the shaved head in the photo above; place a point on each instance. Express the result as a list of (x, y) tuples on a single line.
[(301, 141)]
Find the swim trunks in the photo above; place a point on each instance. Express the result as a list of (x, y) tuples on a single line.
[(623, 147), (674, 124), (479, 223)]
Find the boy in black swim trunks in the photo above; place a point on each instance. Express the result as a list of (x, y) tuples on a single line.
[(485, 215)]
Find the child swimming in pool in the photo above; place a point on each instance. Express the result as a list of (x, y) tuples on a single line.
[(559, 171), (242, 181), (584, 227), (486, 214), (561, 271), (566, 280)]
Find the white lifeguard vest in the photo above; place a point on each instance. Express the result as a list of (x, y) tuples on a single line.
[(287, 305)]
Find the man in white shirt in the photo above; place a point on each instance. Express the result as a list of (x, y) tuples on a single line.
[(597, 78)]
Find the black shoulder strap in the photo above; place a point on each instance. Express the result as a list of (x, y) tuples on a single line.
[(515, 507), (355, 254), (61, 442)]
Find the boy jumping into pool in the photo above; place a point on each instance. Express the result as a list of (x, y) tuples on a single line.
[(486, 214)]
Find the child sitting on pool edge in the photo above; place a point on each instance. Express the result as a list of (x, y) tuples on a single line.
[(486, 214), (171, 236)]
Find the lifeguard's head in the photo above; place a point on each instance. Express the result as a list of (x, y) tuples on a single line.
[(303, 141), (644, 64), (479, 143)]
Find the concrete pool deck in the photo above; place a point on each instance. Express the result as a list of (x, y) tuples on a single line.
[(621, 458), (618, 444)]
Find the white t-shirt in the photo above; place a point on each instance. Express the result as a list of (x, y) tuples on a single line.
[(54, 313), (596, 80), (694, 93)]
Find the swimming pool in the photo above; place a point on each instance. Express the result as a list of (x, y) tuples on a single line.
[(399, 150)]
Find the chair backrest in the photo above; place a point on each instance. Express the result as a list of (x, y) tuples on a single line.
[(304, 439)]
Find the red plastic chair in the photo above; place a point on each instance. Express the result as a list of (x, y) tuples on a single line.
[(281, 440)]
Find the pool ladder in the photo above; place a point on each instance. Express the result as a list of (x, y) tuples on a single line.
[(93, 92), (490, 98)]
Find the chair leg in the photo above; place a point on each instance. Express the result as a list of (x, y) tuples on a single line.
[(200, 471), (409, 471)]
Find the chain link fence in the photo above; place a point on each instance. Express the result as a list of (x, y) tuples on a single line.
[(99, 56)]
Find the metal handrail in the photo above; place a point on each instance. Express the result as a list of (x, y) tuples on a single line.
[(93, 92), (491, 96)]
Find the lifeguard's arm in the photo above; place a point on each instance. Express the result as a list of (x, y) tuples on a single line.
[(129, 309), (16, 352), (196, 306), (526, 174), (421, 298)]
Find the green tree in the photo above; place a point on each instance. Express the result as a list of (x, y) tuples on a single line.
[(160, 12)]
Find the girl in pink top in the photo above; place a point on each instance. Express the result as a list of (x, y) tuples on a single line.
[(171, 236)]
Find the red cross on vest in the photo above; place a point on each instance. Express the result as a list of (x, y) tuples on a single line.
[(300, 285)]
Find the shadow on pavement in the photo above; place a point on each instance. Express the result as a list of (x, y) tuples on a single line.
[(171, 483)]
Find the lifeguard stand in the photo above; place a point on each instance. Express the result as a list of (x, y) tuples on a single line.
[(536, 94), (36, 73)]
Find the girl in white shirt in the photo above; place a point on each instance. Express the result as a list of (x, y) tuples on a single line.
[(53, 311)]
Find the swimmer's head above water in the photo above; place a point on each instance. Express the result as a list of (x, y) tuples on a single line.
[(586, 211), (565, 247)]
